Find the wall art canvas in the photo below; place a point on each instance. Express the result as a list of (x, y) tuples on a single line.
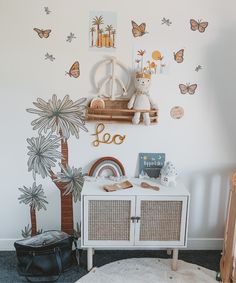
[(102, 30), (150, 164)]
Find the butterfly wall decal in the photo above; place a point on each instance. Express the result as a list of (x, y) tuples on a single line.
[(187, 88), (138, 30), (198, 25), (74, 70), (179, 56), (43, 33)]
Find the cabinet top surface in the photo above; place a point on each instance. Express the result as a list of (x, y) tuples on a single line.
[(92, 187)]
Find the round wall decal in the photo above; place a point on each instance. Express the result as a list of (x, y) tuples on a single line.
[(177, 112), (108, 163)]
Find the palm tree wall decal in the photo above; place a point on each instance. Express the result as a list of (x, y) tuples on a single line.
[(35, 198), (65, 118), (97, 21)]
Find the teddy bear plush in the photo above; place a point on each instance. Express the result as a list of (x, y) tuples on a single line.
[(141, 99)]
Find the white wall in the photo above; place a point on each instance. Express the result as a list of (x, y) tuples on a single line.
[(201, 144)]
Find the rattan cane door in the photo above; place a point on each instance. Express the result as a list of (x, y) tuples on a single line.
[(162, 221), (107, 220)]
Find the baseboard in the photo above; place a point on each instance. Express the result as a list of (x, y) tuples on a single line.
[(193, 244), (205, 243)]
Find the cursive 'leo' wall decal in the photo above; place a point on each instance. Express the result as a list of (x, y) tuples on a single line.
[(106, 138)]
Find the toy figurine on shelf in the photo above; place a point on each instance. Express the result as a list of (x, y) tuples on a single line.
[(141, 99), (168, 174)]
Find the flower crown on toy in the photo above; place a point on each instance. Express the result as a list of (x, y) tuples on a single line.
[(143, 75)]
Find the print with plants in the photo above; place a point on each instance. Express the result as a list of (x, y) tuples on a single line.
[(102, 35)]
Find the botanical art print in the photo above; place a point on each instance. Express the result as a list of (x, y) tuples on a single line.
[(57, 121), (151, 61), (102, 30)]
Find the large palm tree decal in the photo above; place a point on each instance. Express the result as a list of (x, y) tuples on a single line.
[(64, 118), (35, 198)]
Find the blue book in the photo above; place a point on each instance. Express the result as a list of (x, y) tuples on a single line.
[(150, 164)]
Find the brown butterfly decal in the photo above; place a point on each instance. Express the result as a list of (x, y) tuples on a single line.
[(187, 88), (74, 70), (198, 25), (138, 30), (179, 56), (43, 33)]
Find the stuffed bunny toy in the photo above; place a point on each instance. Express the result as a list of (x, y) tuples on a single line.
[(141, 99)]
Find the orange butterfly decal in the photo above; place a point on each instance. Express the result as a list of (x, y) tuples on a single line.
[(43, 33), (179, 56), (198, 25), (187, 88), (138, 30), (74, 70)]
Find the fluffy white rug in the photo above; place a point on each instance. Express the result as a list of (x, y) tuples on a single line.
[(148, 270)]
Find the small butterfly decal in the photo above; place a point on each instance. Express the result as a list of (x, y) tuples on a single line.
[(138, 30), (166, 22), (70, 37), (74, 70), (43, 33), (47, 11), (187, 88), (179, 56), (198, 68), (198, 25), (49, 57)]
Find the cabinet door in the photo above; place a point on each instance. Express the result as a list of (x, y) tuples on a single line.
[(107, 220), (162, 221)]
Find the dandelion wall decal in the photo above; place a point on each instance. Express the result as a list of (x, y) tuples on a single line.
[(70, 37), (165, 21), (49, 57), (47, 11)]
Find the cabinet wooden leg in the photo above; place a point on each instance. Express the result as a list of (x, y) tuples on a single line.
[(89, 258), (174, 265)]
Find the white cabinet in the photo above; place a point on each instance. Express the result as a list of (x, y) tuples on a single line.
[(135, 218)]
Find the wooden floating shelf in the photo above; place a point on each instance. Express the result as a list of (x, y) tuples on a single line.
[(116, 111)]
